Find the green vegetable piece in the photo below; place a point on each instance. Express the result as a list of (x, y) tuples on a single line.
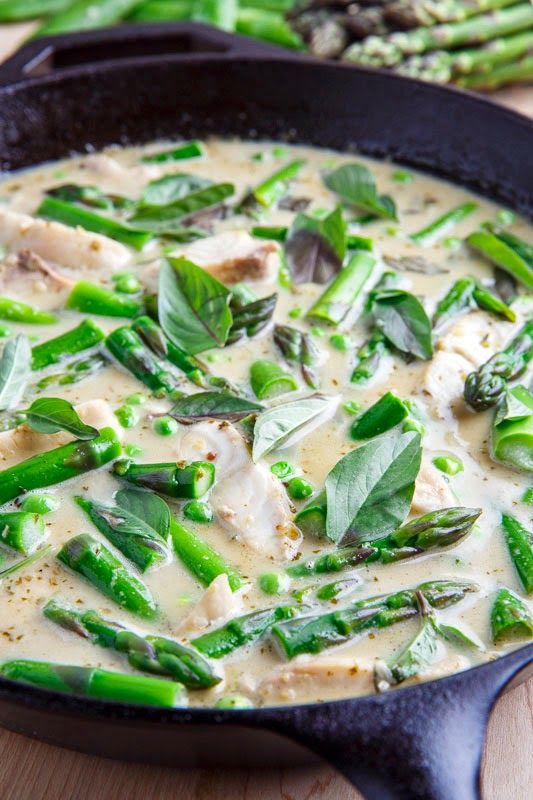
[(289, 422), (198, 511), (299, 489), (334, 304), (443, 225), (418, 654), (127, 416), (40, 503), (510, 618), (213, 405), (170, 188), (316, 247), (53, 414), (520, 543), (402, 176), (169, 220), (527, 497), (187, 150), (241, 630), (22, 531), (356, 242), (274, 582), (276, 186), (504, 255), (368, 357), (267, 25), (189, 481), (74, 216), (92, 299), (341, 342), (298, 348), (84, 337), (490, 302), (401, 317), (385, 414), (24, 562), (200, 559), (269, 380), (332, 591), (165, 426), (14, 311), (311, 519), (460, 297), (282, 470), (90, 558), (277, 233), (450, 464), (233, 702), (60, 464), (355, 184), (512, 430), (126, 346)]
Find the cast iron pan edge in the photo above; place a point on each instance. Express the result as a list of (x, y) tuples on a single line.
[(60, 94)]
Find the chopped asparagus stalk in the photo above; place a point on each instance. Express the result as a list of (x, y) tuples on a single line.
[(241, 630), (510, 618), (199, 558), (368, 357), (187, 481), (126, 346), (512, 430), (443, 225), (520, 543), (337, 300), (460, 297), (298, 348), (92, 299), (505, 253), (154, 338), (269, 380), (490, 302), (22, 530), (276, 186), (187, 150), (84, 336), (251, 318), (387, 412), (14, 311)]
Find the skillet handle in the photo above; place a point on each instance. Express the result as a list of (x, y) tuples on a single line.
[(51, 54), (423, 742)]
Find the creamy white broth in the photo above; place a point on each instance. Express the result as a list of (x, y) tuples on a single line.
[(481, 557)]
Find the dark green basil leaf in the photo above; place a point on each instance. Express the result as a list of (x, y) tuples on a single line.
[(148, 507), (285, 424), (315, 248), (53, 414), (193, 306), (355, 184), (170, 188), (402, 319), (213, 405), (169, 219), (369, 491), (15, 368)]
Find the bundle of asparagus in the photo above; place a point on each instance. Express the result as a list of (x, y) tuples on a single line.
[(419, 38)]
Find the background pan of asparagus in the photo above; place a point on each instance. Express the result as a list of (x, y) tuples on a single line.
[(476, 44)]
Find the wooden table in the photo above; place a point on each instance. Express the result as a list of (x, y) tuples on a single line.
[(31, 770)]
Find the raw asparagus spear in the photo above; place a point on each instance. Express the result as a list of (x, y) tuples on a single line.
[(86, 14), (241, 630), (520, 543), (199, 558), (93, 682), (60, 464), (19, 10), (22, 531), (186, 481), (486, 386), (153, 654), (315, 633), (298, 348), (84, 337), (126, 346), (510, 618), (520, 71), (90, 558)]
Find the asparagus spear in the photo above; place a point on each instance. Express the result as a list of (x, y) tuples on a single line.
[(24, 562), (86, 14), (90, 196), (187, 150), (517, 72), (368, 357), (439, 528), (486, 386), (337, 300), (510, 618), (298, 348), (251, 318), (14, 311), (20, 10), (270, 191), (153, 654), (84, 337), (520, 543), (315, 633), (60, 464), (385, 414), (457, 299), (154, 338), (441, 226), (491, 302), (93, 299), (269, 26), (512, 430), (126, 346), (90, 558), (93, 682), (241, 630), (22, 530), (74, 372), (184, 481), (74, 216), (199, 558), (506, 251), (427, 12)]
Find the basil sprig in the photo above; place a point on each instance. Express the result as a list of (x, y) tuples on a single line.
[(213, 405), (355, 184), (401, 317), (286, 423), (53, 414)]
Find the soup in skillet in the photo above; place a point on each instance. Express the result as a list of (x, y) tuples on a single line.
[(267, 432)]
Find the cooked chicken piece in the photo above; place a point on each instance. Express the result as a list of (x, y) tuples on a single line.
[(432, 490), (234, 256), (59, 244), (30, 273), (120, 179), (444, 381), (217, 604), (248, 500), (334, 676), (21, 443)]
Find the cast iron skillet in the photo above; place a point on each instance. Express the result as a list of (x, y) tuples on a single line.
[(135, 84)]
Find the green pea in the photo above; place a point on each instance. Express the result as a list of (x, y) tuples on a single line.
[(412, 424), (316, 331), (165, 426), (127, 416), (40, 503), (402, 176), (4, 331), (133, 450), (126, 282), (452, 242), (197, 511), (233, 702), (295, 312), (279, 151), (351, 407), (282, 470), (450, 465), (135, 399), (299, 488), (340, 341), (274, 582), (505, 217), (527, 497)]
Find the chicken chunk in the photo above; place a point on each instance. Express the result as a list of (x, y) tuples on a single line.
[(234, 256), (325, 677), (432, 490), (217, 604), (31, 274), (248, 500), (59, 244), (21, 443), (117, 177)]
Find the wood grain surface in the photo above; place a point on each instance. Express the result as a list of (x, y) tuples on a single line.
[(30, 770)]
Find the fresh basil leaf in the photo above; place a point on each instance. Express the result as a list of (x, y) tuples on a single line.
[(170, 188), (53, 414), (285, 424), (15, 368), (369, 491), (418, 654), (169, 219), (401, 317), (457, 637), (315, 248), (146, 506), (355, 184), (517, 404), (193, 306), (213, 405)]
